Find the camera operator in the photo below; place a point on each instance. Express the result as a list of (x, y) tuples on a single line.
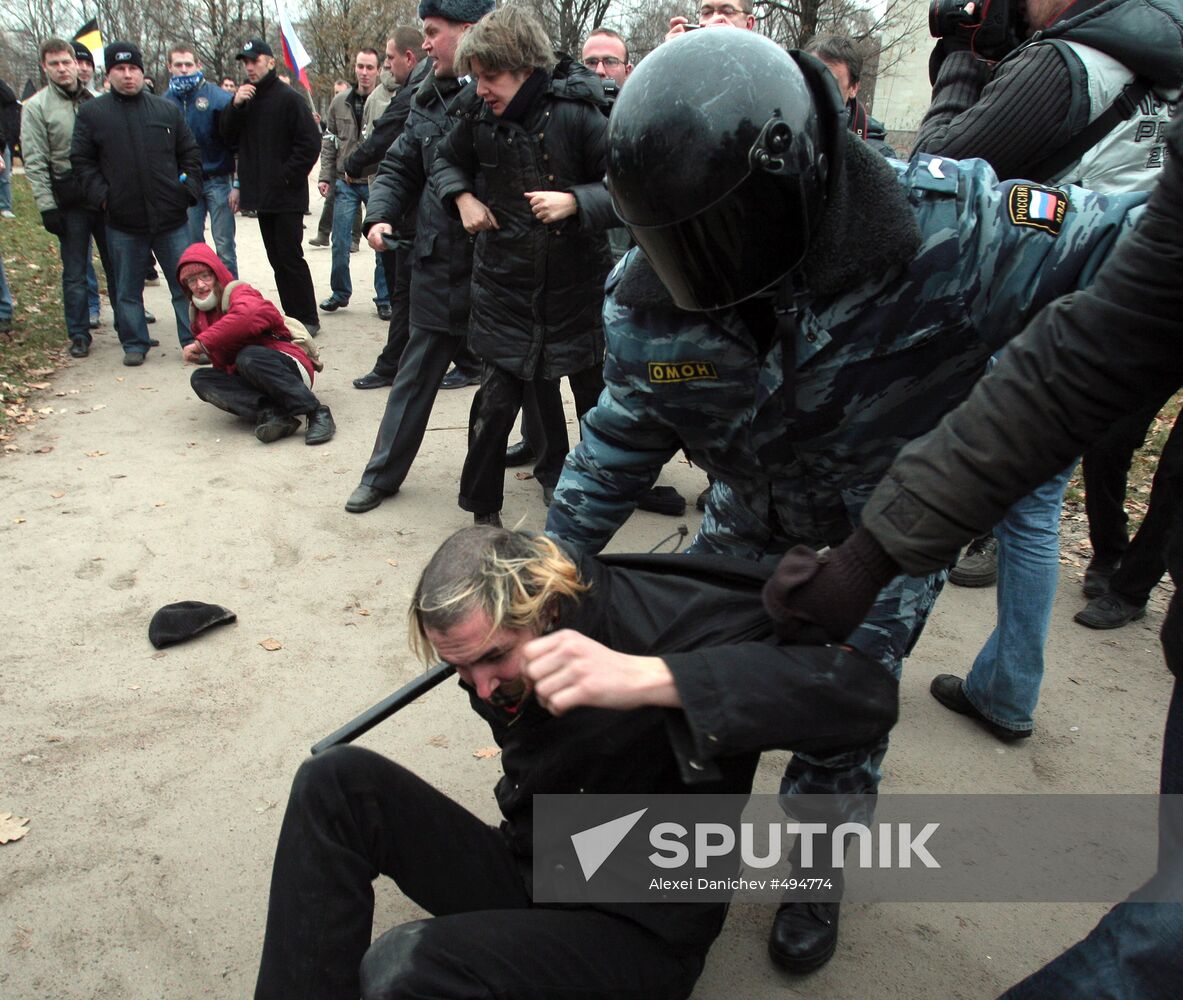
[(1085, 99)]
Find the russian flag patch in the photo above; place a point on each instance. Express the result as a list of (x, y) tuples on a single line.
[(1038, 207)]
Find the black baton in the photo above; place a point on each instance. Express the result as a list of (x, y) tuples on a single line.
[(386, 707)]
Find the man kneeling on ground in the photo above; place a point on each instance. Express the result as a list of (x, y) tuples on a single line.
[(574, 662), (258, 371)]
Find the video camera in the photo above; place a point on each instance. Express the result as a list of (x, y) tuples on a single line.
[(991, 28)]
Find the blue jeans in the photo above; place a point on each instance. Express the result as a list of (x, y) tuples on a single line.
[(1135, 950), (78, 226), (349, 196), (215, 197), (5, 295), (92, 287), (6, 180), (131, 256), (1004, 682)]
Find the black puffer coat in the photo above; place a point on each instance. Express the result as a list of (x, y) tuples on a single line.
[(537, 290), (441, 257)]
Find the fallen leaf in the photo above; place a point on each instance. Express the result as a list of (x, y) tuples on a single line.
[(365, 612), (95, 454), (133, 687), (267, 804), (523, 475), (12, 827), (159, 655), (46, 409), (391, 562), (18, 520), (40, 385), (44, 450), (98, 406), (271, 644), (22, 940), (58, 494), (118, 378), (484, 753), (438, 741), (162, 503)]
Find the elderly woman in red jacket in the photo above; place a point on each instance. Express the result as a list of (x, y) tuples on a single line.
[(257, 371)]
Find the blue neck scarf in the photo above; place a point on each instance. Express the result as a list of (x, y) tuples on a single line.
[(181, 85)]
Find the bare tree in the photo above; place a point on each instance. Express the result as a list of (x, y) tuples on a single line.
[(568, 22)]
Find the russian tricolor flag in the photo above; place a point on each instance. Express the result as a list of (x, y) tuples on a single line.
[(1043, 205), (294, 53)]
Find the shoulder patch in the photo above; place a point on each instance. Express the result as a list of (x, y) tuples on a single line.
[(1038, 207), (661, 372)]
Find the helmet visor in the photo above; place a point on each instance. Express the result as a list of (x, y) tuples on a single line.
[(739, 246)]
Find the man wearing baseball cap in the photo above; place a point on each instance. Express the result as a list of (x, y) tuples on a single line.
[(278, 144), (138, 164)]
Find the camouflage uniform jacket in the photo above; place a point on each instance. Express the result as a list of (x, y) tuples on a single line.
[(876, 365)]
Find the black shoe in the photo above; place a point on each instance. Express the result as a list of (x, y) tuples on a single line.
[(663, 500), (1096, 577), (804, 935), (149, 316), (979, 566), (250, 213), (319, 241), (355, 246), (701, 502), (372, 380), (1109, 611), (519, 454), (384, 312), (79, 348), (492, 519), (456, 379), (133, 359), (332, 304), (365, 498), (320, 426), (548, 495), (947, 689), (273, 426), (95, 321), (313, 329), (153, 342)]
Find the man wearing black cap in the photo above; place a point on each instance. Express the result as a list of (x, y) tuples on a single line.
[(138, 163), (278, 143)]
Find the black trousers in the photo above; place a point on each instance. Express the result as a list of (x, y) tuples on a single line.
[(283, 238), (1145, 561), (586, 387), (397, 265), (490, 422), (263, 379), (354, 815), (408, 407), (1105, 467)]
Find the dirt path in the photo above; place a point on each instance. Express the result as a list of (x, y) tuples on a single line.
[(155, 782)]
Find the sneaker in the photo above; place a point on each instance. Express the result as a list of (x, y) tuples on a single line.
[(149, 316), (95, 321), (332, 304), (7, 214), (979, 566), (1109, 611), (948, 689), (319, 241)]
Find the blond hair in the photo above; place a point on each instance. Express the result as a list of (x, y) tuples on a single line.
[(507, 39), (516, 578)]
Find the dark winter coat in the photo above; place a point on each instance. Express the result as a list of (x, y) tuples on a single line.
[(130, 154), (278, 143), (537, 290), (441, 257), (741, 693), (10, 116)]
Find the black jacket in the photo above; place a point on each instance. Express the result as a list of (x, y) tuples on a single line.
[(537, 290), (10, 117), (742, 694), (129, 154), (1084, 362), (871, 130), (441, 258), (278, 144), (387, 128)]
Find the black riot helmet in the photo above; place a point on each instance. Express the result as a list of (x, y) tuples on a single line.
[(721, 148)]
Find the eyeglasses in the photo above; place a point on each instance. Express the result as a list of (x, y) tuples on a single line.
[(203, 278), (591, 62), (706, 10)]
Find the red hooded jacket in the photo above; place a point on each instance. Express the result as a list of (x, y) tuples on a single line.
[(251, 319)]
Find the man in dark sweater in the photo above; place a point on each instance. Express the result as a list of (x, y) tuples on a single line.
[(278, 142), (575, 663)]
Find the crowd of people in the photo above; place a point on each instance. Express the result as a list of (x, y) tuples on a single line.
[(747, 274)]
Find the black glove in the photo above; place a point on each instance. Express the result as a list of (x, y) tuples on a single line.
[(53, 222), (832, 590)]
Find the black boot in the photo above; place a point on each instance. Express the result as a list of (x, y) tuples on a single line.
[(804, 935)]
